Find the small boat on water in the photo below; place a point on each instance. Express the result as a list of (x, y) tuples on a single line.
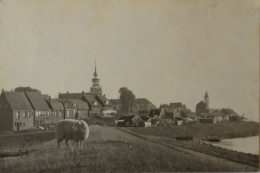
[(214, 140), (14, 154), (183, 138)]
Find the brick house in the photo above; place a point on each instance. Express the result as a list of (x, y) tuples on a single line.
[(16, 113), (70, 109), (57, 108), (94, 106), (82, 108), (42, 111)]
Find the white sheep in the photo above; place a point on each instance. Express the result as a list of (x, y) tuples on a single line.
[(69, 129)]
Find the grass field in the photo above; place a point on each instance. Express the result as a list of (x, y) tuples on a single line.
[(202, 131), (111, 150)]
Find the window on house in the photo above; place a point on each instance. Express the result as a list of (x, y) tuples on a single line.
[(24, 114), (15, 124), (17, 115)]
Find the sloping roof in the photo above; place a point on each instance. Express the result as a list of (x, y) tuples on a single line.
[(68, 104), (127, 118), (104, 100), (56, 104), (80, 104), (17, 100), (142, 101), (228, 111), (37, 100), (165, 106), (145, 118), (137, 102), (90, 98), (70, 95), (154, 112), (216, 114)]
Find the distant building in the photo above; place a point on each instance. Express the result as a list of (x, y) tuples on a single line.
[(212, 115), (16, 113), (95, 88), (166, 108), (142, 106), (203, 106), (164, 118), (97, 102), (127, 121)]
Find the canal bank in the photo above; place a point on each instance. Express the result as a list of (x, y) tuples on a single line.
[(245, 144)]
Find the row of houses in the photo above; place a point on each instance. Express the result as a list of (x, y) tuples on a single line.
[(156, 117), (26, 110), (178, 114)]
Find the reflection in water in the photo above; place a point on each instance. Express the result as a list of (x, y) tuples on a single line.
[(245, 145)]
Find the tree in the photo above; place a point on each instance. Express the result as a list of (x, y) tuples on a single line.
[(22, 89), (127, 99)]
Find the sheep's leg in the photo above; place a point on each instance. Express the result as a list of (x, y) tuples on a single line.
[(58, 142), (81, 144), (68, 144)]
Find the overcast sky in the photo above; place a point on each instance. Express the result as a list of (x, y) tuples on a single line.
[(166, 51)]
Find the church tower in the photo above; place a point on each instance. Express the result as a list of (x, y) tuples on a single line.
[(206, 100), (95, 89)]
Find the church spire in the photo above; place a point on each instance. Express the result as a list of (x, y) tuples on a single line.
[(95, 73), (206, 99), (96, 89)]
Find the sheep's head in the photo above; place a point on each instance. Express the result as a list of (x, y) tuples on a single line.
[(79, 126)]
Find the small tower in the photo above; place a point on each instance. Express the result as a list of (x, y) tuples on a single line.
[(206, 100), (96, 89)]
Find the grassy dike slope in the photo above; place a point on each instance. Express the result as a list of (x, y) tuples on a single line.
[(222, 130), (111, 150)]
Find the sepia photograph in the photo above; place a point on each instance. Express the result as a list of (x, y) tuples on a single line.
[(118, 86)]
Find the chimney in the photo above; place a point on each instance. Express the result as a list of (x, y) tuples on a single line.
[(3, 90), (83, 93)]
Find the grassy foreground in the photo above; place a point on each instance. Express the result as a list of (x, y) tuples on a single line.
[(111, 150)]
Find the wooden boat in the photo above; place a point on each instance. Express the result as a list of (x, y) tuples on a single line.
[(14, 154), (214, 140), (183, 138)]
